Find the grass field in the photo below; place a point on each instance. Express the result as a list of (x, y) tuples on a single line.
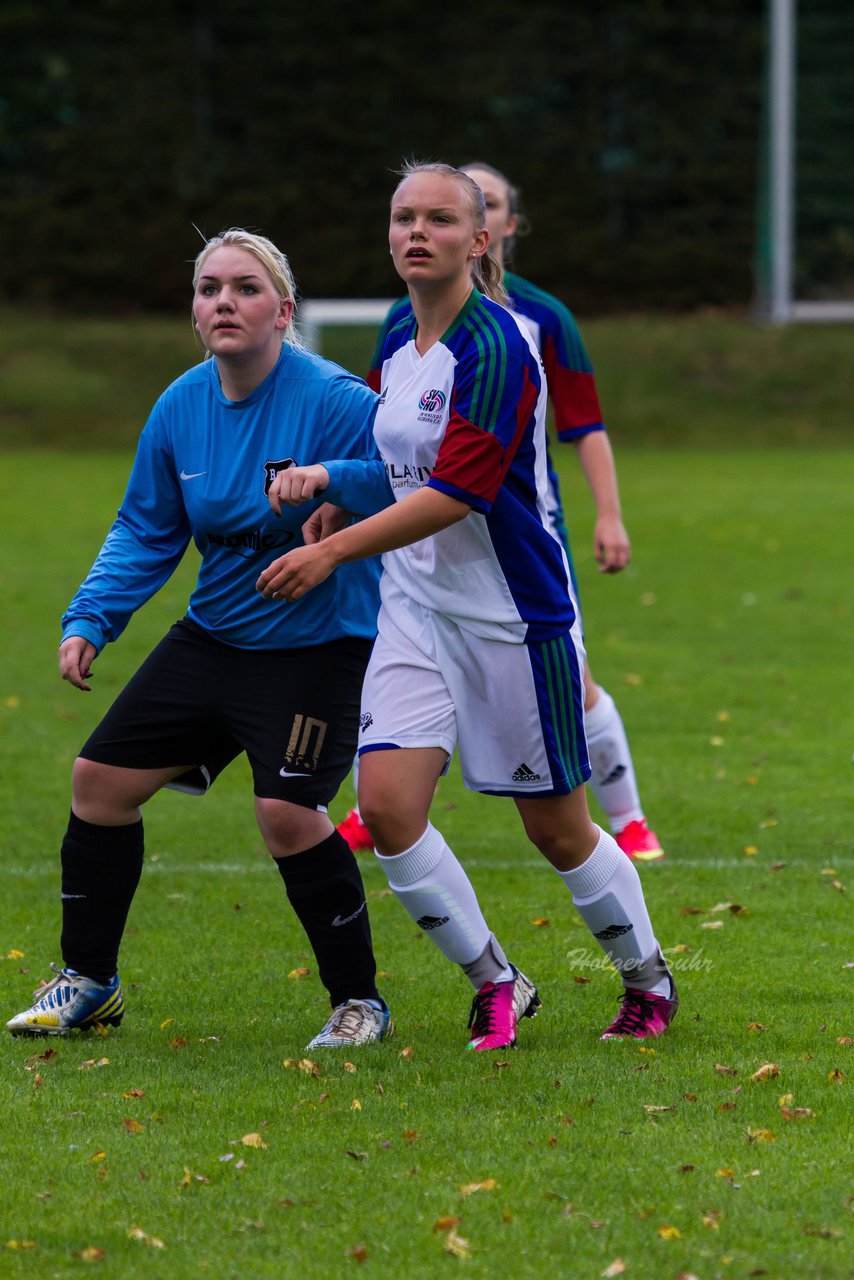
[(198, 1140)]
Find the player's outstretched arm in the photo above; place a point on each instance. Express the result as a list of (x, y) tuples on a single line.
[(76, 656), (418, 516)]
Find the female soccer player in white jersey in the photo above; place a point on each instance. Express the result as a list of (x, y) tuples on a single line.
[(282, 685), (479, 644), (577, 420)]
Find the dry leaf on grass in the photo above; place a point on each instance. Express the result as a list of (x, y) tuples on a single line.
[(254, 1140), (94, 1062), (447, 1223), (669, 1233), (836, 1076), (469, 1188), (133, 1126), (725, 1071), (137, 1233), (616, 1268), (767, 1071), (358, 1253), (456, 1245)]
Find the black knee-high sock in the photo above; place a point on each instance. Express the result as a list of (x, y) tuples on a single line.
[(324, 887), (101, 867)]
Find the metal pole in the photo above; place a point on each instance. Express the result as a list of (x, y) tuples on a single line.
[(782, 177)]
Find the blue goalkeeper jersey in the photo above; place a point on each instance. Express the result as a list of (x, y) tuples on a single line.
[(203, 468)]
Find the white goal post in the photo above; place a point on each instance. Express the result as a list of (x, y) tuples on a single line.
[(777, 261), (314, 313)]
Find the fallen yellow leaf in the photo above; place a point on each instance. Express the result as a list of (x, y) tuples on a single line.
[(767, 1071), (836, 1076), (447, 1223), (355, 1105), (298, 973), (669, 1233), (14, 955), (616, 1268), (21, 1244), (94, 1062), (254, 1140), (133, 1126), (760, 1135), (469, 1188), (308, 1067), (349, 1066), (456, 1245), (92, 1254), (98, 1155), (137, 1233), (541, 922)]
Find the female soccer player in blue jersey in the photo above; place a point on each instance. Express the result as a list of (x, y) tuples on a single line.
[(577, 420), (234, 675), (479, 642)]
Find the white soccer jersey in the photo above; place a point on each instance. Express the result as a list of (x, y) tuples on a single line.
[(468, 418)]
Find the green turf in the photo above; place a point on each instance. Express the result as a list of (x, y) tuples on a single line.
[(727, 647)]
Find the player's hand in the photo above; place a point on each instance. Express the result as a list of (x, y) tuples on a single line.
[(76, 656), (611, 545), (326, 520), (294, 574), (296, 485)]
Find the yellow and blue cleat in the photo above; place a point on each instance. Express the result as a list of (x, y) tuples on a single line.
[(70, 1001)]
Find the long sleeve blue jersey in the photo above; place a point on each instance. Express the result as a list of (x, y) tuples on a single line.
[(203, 467)]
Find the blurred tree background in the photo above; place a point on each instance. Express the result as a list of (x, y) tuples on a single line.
[(632, 127)]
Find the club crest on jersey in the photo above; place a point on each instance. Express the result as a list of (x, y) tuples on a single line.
[(432, 404), (272, 469)]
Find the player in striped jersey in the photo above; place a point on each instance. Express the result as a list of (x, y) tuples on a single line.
[(479, 643), (577, 420)]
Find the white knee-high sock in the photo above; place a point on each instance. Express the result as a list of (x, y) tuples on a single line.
[(607, 892), (613, 778), (428, 880)]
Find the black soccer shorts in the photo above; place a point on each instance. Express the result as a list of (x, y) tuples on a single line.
[(197, 701)]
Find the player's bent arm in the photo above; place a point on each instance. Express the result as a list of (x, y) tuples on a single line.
[(611, 541), (296, 485), (76, 655), (421, 514)]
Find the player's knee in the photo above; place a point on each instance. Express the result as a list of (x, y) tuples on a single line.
[(90, 780)]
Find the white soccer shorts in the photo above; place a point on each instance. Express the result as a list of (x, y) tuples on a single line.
[(516, 711)]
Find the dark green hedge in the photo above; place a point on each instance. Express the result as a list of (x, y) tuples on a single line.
[(632, 127)]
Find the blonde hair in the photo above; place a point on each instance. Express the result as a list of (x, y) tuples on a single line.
[(271, 259), (486, 271), (514, 196)]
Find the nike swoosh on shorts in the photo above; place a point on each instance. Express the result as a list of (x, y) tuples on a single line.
[(194, 475)]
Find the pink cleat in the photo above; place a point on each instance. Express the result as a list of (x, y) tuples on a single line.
[(493, 1017), (642, 1015), (355, 832), (639, 843)]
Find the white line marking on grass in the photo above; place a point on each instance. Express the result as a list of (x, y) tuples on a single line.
[(167, 867)]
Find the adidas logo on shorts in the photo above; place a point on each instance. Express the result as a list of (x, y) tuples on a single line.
[(524, 774)]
